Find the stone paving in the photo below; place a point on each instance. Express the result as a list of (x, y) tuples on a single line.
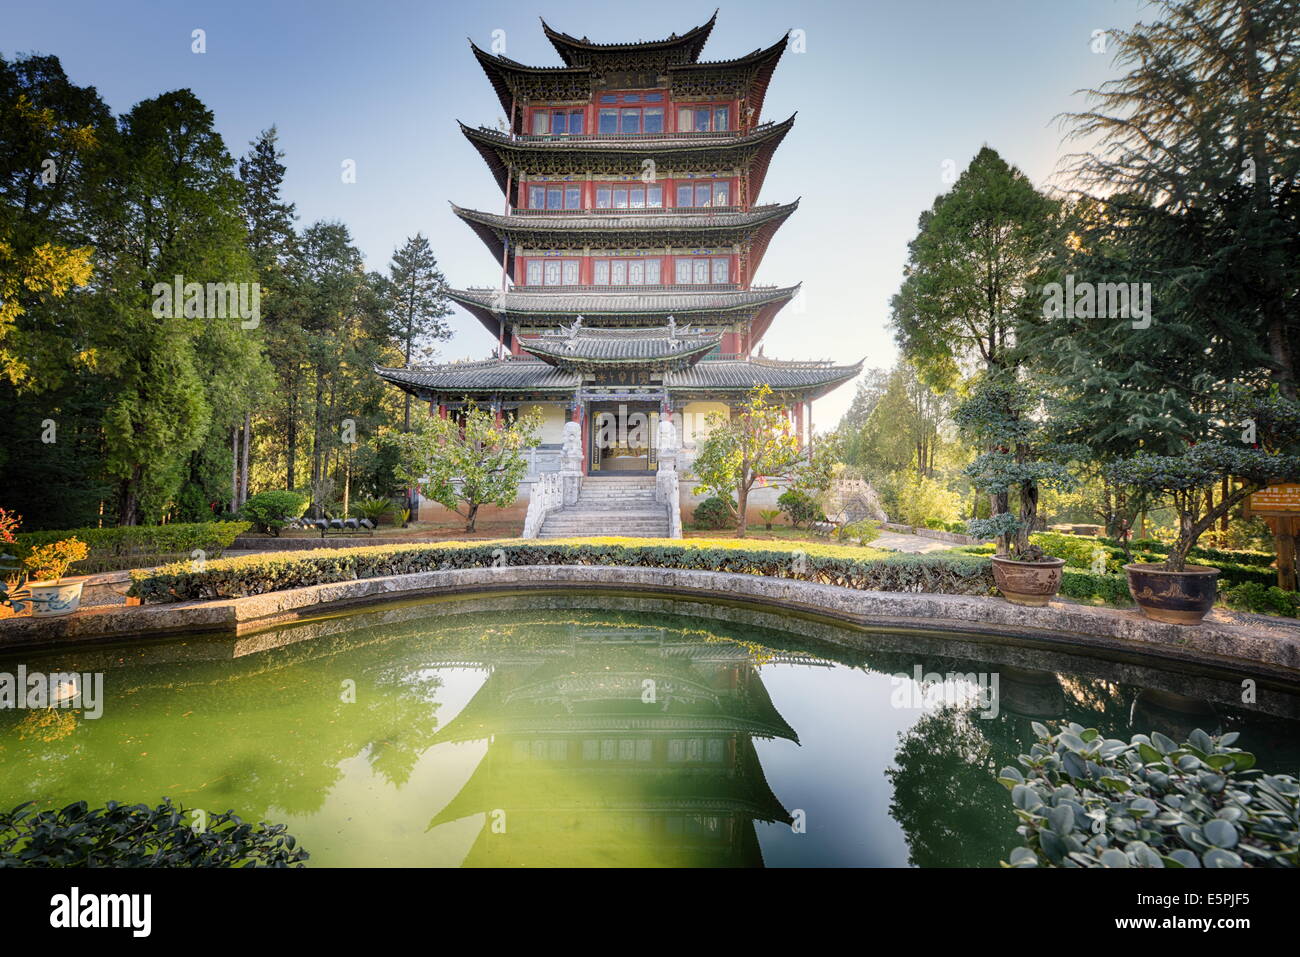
[(915, 544)]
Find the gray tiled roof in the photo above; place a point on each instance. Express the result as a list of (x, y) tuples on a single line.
[(747, 373), (666, 220), (615, 345), (620, 300), (489, 375), (532, 375)]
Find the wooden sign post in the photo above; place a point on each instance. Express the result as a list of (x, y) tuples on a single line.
[(1279, 506)]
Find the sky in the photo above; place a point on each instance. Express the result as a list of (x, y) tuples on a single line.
[(892, 97)]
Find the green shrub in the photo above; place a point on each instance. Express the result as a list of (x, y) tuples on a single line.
[(372, 508), (121, 835), (273, 510), (1091, 801), (257, 574), (1085, 586), (1254, 597), (1156, 547), (863, 532), (1078, 550), (800, 507), (136, 545), (715, 513)]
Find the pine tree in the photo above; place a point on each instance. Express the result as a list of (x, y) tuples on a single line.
[(419, 302)]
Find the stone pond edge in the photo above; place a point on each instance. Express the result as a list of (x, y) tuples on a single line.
[(1064, 625)]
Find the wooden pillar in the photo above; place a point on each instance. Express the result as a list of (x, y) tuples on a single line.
[(1284, 532)]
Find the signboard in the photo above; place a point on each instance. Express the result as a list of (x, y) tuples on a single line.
[(1275, 500)]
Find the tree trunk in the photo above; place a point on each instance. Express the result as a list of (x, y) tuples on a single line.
[(234, 468), (291, 435), (1028, 514), (471, 518), (243, 467), (742, 506)]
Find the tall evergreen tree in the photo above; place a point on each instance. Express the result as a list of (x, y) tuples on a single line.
[(418, 290), (1198, 163)]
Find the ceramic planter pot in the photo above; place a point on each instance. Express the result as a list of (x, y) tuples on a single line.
[(1181, 598), (50, 599), (1027, 583)]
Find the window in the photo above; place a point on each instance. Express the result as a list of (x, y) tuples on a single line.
[(628, 121), (626, 272), (551, 272), (703, 119), (629, 197), (704, 194), (700, 271), (555, 122), (554, 197)]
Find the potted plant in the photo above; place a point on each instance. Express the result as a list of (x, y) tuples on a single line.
[(1006, 419), (1024, 573), (12, 597), (51, 595), (1174, 591)]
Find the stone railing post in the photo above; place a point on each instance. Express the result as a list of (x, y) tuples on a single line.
[(547, 495), (571, 464), (667, 487)]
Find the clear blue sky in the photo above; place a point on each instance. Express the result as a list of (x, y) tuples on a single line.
[(887, 91)]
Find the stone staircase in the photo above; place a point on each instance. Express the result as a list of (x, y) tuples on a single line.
[(621, 505)]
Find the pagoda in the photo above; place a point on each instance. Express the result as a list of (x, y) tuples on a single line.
[(629, 238)]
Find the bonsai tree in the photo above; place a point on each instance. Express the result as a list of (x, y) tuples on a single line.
[(757, 442), (1180, 480), (49, 563), (1004, 417), (466, 462)]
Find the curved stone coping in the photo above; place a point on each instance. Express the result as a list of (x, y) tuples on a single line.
[(1085, 627)]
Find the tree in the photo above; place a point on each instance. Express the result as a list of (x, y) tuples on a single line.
[(1197, 158), (1195, 175), (757, 441), (52, 163), (269, 220), (1022, 457), (471, 459), (419, 302), (970, 278), (176, 380)]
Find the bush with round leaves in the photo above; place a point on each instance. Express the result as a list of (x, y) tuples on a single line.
[(136, 835), (1085, 800)]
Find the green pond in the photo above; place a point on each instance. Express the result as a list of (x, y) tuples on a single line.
[(546, 729)]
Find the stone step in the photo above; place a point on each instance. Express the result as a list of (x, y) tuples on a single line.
[(605, 533)]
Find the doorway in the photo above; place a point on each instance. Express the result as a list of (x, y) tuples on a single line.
[(623, 438)]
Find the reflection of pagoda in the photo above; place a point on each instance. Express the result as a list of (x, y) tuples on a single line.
[(629, 753)]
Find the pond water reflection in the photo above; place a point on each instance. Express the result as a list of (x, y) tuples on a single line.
[(599, 730)]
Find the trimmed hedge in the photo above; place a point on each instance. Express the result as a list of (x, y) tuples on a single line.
[(259, 574), (114, 546), (1157, 547), (1077, 552), (1085, 586)]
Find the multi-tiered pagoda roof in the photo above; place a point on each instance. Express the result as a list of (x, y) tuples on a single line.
[(631, 175)]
